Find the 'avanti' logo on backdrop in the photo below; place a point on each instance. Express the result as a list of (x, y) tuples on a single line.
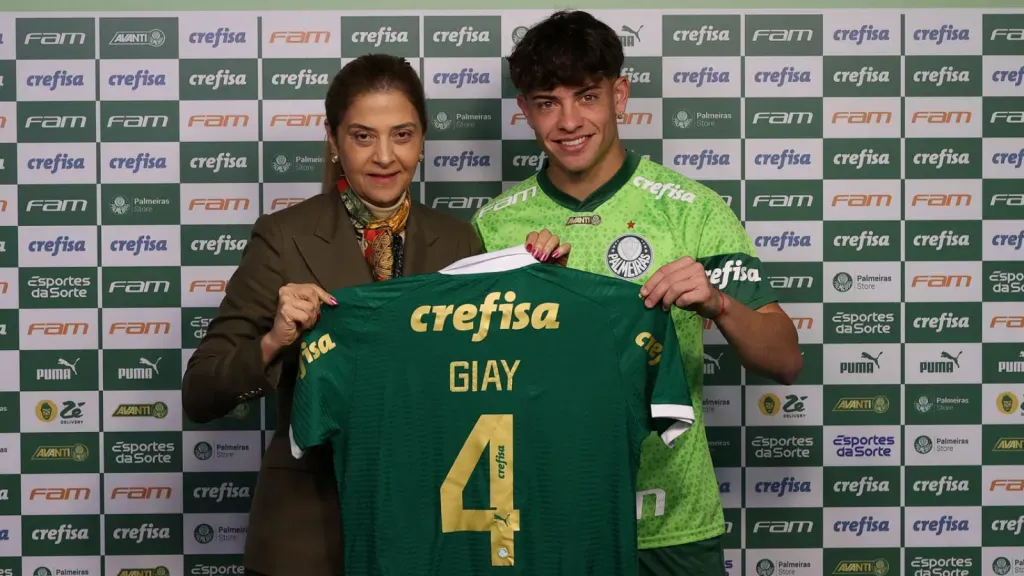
[(154, 38)]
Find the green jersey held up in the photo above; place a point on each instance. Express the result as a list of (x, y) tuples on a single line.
[(646, 216), (488, 418)]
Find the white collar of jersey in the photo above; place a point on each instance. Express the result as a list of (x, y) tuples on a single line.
[(497, 261)]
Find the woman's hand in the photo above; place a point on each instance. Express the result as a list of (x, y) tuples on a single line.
[(298, 309), (545, 247)]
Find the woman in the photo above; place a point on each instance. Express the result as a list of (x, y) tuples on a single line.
[(363, 228)]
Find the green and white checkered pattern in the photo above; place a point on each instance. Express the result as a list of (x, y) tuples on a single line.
[(875, 158)]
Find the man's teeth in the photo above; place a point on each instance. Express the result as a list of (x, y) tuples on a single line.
[(574, 142)]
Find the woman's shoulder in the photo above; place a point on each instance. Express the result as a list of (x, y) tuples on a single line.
[(300, 213), (441, 221)]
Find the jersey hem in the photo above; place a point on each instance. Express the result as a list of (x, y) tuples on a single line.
[(679, 538)]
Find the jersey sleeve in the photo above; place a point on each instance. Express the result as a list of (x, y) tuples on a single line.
[(479, 233), (671, 409), (729, 257), (318, 400)]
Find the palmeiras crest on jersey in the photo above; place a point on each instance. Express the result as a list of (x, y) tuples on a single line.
[(629, 256)]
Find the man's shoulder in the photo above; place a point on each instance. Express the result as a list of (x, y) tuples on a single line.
[(514, 196), (657, 179)]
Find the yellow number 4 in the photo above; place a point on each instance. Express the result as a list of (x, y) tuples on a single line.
[(502, 519)]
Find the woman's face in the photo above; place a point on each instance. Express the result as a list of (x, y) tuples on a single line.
[(379, 144)]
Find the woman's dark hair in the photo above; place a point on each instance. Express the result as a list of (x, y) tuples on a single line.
[(569, 48), (366, 74)]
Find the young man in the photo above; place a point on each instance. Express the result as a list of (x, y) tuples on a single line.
[(628, 217)]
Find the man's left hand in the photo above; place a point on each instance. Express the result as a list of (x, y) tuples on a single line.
[(684, 284)]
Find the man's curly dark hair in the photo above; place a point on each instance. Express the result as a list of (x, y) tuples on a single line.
[(569, 48)]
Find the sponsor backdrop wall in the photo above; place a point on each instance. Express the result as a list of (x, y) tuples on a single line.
[(874, 157)]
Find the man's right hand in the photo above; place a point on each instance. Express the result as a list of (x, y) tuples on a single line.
[(298, 309)]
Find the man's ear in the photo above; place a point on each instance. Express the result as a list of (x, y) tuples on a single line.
[(620, 90), (525, 109)]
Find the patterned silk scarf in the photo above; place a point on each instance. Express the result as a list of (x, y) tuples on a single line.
[(382, 241)]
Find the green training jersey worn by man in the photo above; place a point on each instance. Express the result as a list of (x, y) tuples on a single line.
[(487, 419), (645, 217)]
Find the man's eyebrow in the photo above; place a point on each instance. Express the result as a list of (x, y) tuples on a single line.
[(577, 92)]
